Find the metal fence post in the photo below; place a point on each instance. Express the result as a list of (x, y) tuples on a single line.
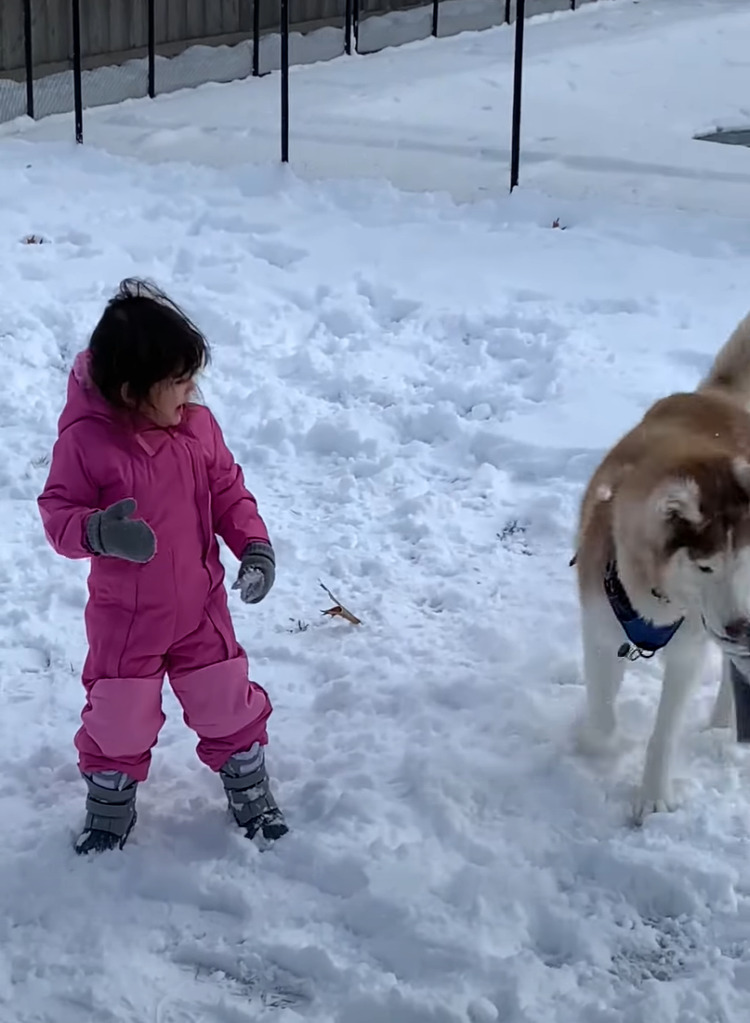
[(507, 12), (256, 38), (152, 48), (351, 26), (285, 81), (348, 19), (515, 149), (435, 16), (77, 74), (28, 57)]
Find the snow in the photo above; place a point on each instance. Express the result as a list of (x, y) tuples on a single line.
[(613, 95), (418, 390)]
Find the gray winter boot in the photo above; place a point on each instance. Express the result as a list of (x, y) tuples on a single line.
[(249, 794), (110, 812)]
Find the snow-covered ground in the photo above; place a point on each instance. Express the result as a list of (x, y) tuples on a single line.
[(613, 95), (417, 390)]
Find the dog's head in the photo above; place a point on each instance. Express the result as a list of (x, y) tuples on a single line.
[(699, 525)]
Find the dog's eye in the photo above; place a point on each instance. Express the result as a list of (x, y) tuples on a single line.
[(706, 568)]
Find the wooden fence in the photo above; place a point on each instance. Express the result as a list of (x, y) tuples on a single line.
[(112, 30), (115, 30)]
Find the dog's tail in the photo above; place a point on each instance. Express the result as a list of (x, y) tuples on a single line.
[(731, 369)]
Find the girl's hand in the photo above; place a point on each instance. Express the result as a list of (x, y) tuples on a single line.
[(114, 534), (257, 572)]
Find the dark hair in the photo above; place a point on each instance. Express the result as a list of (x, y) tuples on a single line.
[(142, 339)]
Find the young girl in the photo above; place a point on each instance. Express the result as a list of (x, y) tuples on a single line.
[(141, 482)]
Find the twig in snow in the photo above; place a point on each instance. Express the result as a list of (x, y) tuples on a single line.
[(298, 625)]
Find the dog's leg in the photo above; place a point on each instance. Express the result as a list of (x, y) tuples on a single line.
[(603, 673), (683, 663), (723, 712)]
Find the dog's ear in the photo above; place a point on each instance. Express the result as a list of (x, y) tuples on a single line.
[(680, 498), (741, 470)]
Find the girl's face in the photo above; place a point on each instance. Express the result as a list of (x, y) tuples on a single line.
[(167, 401)]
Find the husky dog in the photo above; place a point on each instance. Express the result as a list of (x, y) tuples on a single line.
[(663, 558)]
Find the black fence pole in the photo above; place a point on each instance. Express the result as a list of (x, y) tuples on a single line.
[(77, 74), (285, 81), (29, 57), (507, 12), (515, 149), (572, 5), (152, 48), (348, 20), (256, 38), (355, 24), (435, 16)]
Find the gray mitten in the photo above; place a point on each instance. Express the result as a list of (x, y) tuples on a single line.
[(257, 572), (114, 534)]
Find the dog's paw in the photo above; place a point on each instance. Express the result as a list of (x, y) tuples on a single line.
[(652, 799), (721, 719), (717, 725)]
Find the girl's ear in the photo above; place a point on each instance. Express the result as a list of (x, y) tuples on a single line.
[(126, 397)]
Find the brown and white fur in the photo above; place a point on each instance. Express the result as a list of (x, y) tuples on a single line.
[(671, 503)]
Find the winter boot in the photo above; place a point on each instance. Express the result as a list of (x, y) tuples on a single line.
[(110, 812), (250, 798)]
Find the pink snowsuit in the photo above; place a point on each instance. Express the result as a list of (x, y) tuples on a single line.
[(169, 616)]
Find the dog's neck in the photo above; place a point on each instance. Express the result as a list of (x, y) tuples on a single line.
[(644, 593)]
